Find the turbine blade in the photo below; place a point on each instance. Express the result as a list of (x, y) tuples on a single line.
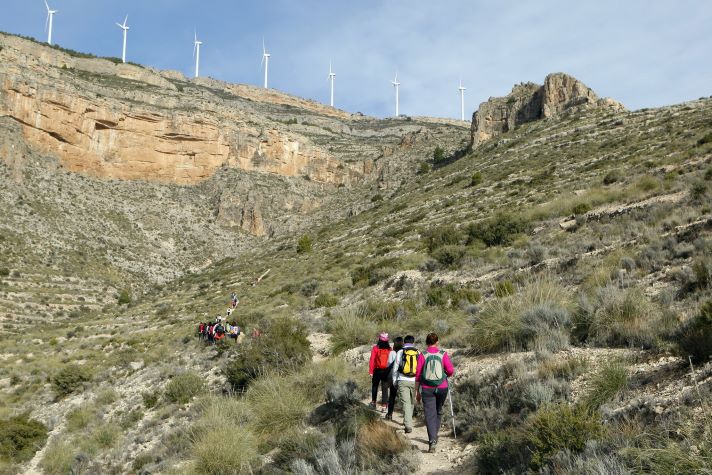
[(47, 22), (47, 5), (126, 19), (120, 25)]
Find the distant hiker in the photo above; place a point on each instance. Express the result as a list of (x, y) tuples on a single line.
[(233, 300), (256, 332), (404, 379), (434, 367), (392, 379), (201, 329), (229, 312), (234, 331), (378, 369)]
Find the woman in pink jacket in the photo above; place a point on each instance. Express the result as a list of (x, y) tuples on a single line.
[(434, 367)]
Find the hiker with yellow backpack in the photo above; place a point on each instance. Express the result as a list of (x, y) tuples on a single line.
[(404, 374)]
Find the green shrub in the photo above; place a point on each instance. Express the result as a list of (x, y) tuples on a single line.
[(363, 276), (694, 338), (276, 405), (124, 297), (106, 435), (707, 138), (81, 417), (150, 399), (20, 438), (304, 244), (58, 458), (423, 168), (349, 331), (499, 230), (283, 347), (377, 198), (184, 387), (442, 236), (326, 300), (438, 155), (618, 317), (610, 380), (449, 256), (444, 295), (503, 452), (503, 288), (225, 448), (612, 177), (476, 179), (70, 378), (4, 272), (581, 208), (702, 269), (560, 428)]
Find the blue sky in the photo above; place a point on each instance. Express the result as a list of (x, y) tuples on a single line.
[(644, 53)]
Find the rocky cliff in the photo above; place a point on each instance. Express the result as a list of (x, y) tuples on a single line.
[(124, 121), (528, 102)]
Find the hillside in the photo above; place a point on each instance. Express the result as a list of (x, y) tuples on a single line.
[(565, 262)]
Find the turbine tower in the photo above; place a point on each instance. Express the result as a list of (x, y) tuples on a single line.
[(196, 53), (396, 84), (265, 60), (462, 101), (126, 29), (332, 75), (48, 23)]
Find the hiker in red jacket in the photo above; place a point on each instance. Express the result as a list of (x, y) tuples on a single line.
[(378, 369)]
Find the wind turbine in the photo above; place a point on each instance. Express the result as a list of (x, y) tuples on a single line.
[(462, 101), (48, 23), (265, 60), (126, 29), (196, 53), (396, 84), (332, 75)]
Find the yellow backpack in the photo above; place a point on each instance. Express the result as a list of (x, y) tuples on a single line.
[(408, 365)]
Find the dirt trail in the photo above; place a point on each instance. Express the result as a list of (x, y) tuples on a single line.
[(450, 452)]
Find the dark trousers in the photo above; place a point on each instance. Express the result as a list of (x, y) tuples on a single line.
[(380, 377), (391, 397), (433, 402)]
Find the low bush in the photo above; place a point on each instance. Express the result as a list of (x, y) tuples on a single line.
[(503, 288), (449, 256), (694, 338), (81, 417), (304, 244), (376, 441), (20, 438), (558, 428), (349, 331), (276, 405), (612, 177), (70, 378), (225, 448), (476, 179), (106, 435), (608, 382), (326, 300), (499, 230), (364, 276), (503, 452), (58, 458), (183, 387), (442, 236), (445, 295), (438, 155), (617, 317), (282, 347), (124, 297)]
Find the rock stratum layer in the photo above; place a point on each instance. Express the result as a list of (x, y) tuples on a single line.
[(124, 121), (528, 102)]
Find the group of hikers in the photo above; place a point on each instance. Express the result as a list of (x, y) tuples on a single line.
[(222, 327), (414, 376)]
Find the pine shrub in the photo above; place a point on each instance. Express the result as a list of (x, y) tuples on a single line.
[(70, 379)]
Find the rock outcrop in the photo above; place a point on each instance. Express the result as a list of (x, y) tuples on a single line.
[(528, 102)]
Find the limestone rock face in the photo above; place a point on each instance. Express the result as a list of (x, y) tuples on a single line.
[(528, 102)]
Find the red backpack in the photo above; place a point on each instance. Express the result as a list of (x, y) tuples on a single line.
[(382, 358)]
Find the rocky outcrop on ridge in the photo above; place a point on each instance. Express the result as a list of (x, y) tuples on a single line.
[(528, 102)]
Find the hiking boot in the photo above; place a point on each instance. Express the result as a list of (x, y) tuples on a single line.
[(432, 447), (408, 430), (384, 407), (389, 417), (372, 405)]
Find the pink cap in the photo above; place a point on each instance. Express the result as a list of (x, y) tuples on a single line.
[(383, 336)]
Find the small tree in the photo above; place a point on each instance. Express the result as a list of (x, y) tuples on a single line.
[(304, 244), (438, 154), (124, 297), (476, 179), (423, 168)]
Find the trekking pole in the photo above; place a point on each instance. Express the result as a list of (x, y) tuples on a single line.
[(452, 414)]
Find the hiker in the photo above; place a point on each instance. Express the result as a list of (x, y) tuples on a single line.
[(392, 379), (201, 329), (404, 379), (378, 369), (234, 300), (431, 385), (234, 331)]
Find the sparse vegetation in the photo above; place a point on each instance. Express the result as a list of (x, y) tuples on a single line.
[(184, 387), (69, 379)]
